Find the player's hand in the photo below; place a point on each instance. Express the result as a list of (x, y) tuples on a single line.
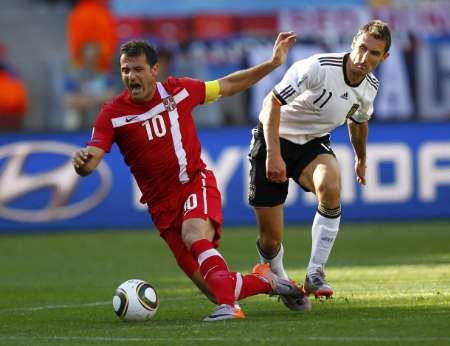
[(285, 40), (360, 170), (276, 169), (81, 158)]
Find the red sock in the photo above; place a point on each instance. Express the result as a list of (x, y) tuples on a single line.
[(250, 285), (215, 271)]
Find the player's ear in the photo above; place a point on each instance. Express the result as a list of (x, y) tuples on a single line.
[(154, 69)]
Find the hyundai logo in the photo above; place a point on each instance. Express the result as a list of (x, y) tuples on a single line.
[(27, 169)]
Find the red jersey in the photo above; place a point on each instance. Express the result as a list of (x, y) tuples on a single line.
[(158, 139)]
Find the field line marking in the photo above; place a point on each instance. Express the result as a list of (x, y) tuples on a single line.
[(354, 339), (55, 306), (74, 306)]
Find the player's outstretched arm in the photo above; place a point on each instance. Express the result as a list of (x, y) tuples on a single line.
[(86, 160), (358, 136), (243, 79)]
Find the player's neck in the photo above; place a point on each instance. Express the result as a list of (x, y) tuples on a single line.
[(351, 77), (355, 78)]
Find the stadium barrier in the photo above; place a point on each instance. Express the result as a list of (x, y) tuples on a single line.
[(408, 178)]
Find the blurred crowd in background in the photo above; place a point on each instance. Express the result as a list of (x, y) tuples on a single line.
[(59, 59)]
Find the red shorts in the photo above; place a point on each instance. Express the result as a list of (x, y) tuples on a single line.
[(200, 198)]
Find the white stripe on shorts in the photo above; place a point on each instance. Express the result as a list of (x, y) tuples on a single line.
[(238, 287), (205, 200)]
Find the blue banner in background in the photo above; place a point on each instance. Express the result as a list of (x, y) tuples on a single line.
[(138, 8), (408, 178)]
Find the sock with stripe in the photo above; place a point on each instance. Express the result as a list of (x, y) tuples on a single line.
[(324, 231), (249, 285), (226, 286), (214, 271)]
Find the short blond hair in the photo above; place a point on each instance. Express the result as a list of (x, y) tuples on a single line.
[(379, 30)]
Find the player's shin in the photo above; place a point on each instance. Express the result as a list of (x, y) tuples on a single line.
[(214, 271), (324, 231)]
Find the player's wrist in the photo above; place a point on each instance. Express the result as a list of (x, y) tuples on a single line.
[(275, 62), (273, 153)]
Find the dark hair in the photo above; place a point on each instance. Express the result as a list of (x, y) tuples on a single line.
[(378, 29), (137, 47)]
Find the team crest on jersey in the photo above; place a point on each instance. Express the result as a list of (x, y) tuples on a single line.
[(352, 110), (169, 103)]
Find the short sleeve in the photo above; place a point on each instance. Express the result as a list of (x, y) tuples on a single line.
[(196, 89), (302, 75), (363, 115), (103, 133)]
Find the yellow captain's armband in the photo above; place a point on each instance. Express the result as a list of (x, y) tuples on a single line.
[(212, 91)]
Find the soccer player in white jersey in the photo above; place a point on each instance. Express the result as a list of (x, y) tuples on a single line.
[(292, 140)]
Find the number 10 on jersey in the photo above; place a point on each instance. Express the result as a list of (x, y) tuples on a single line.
[(155, 127)]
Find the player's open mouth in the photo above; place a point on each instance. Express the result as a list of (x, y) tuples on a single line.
[(135, 88)]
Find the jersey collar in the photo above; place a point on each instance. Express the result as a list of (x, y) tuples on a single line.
[(344, 71)]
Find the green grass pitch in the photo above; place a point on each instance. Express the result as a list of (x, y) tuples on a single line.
[(391, 281)]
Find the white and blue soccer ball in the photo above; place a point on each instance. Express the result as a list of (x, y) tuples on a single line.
[(135, 300)]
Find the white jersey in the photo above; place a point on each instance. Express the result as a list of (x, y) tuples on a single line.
[(316, 97)]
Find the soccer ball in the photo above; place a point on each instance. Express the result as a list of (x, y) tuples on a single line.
[(135, 300)]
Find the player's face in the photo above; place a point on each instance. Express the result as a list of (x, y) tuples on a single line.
[(367, 53), (138, 77)]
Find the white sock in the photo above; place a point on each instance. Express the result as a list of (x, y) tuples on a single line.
[(324, 232), (276, 263)]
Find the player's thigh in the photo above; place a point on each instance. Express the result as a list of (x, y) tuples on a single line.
[(322, 175), (202, 214)]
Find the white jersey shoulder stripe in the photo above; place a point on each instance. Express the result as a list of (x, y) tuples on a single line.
[(372, 76), (159, 108), (373, 81)]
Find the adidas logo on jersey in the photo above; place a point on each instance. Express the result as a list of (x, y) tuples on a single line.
[(344, 96)]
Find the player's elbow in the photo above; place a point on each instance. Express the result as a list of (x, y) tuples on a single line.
[(226, 87), (231, 85)]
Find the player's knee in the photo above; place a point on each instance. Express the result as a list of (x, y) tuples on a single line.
[(190, 236), (329, 193), (197, 229)]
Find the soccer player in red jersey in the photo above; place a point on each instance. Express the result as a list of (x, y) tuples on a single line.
[(152, 125)]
